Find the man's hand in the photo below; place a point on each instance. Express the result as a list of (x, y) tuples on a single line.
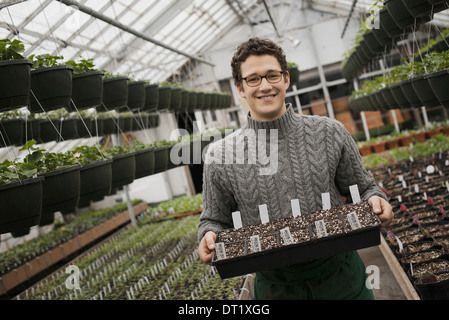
[(206, 246), (383, 209)]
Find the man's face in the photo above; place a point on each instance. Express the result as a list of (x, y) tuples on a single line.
[(267, 100)]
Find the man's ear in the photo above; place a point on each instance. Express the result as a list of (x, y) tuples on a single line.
[(240, 90), (287, 78)]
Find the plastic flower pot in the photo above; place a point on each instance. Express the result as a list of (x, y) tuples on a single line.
[(151, 97), (84, 127), (68, 129), (32, 130), (381, 36), (185, 100), (115, 94), (12, 132), (409, 93), (438, 290), (15, 83), (387, 96), (176, 99), (399, 13), (294, 75), (424, 91), (161, 158), (110, 126), (123, 170), (418, 8), (382, 104), (365, 150), (136, 95), (399, 96), (95, 181), (405, 141), (388, 24), (392, 144), (49, 130), (21, 204), (200, 101), (61, 189), (372, 43), (438, 82), (154, 121), (379, 147), (51, 88), (192, 101), (87, 91), (164, 98), (144, 163), (125, 123)]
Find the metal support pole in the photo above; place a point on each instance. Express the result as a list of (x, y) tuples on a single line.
[(130, 207), (298, 103), (424, 115), (365, 125), (395, 120)]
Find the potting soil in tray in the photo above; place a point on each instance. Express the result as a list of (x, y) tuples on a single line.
[(296, 240)]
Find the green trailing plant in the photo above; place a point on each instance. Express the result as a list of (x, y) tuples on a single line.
[(82, 66), (11, 50)]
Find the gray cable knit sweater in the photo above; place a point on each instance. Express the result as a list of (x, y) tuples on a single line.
[(314, 155)]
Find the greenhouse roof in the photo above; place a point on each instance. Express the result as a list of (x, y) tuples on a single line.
[(144, 39)]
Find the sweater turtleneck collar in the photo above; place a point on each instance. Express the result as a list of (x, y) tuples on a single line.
[(285, 123)]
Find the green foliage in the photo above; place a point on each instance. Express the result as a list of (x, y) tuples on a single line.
[(45, 60), (82, 66), (11, 50)]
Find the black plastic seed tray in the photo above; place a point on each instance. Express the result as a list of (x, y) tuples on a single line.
[(297, 253)]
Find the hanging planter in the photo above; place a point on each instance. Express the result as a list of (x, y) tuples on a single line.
[(21, 204), (136, 95), (15, 83), (192, 101), (293, 72), (115, 93), (400, 13), (164, 98), (95, 181), (185, 100), (84, 127), (399, 96), (438, 82), (110, 126), (69, 129), (388, 24), (61, 189), (424, 91), (410, 94), (176, 99), (125, 122), (372, 43), (200, 101), (49, 130), (144, 163), (207, 100), (12, 132), (418, 8), (123, 170), (387, 96), (51, 88), (87, 91), (161, 158), (154, 121), (151, 97)]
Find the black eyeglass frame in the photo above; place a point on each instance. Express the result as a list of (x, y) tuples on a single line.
[(265, 76)]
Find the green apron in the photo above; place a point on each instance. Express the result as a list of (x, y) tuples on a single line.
[(341, 277)]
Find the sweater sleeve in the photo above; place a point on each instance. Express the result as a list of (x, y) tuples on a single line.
[(350, 170), (218, 201)]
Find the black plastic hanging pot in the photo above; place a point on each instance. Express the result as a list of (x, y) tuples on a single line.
[(49, 130), (21, 204), (115, 94), (123, 170), (372, 43), (192, 101), (388, 97), (185, 100), (164, 98), (12, 132), (125, 123), (153, 121), (87, 91), (161, 158), (400, 13), (110, 126), (51, 88), (399, 96), (33, 130), (176, 99), (388, 24), (136, 95), (15, 83), (439, 83), (424, 91), (151, 97), (144, 163), (409, 93), (61, 189), (207, 101), (95, 181), (294, 75), (418, 8), (199, 100), (69, 129)]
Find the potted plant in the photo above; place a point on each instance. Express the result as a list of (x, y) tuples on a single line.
[(20, 197), (12, 128), (164, 97), (438, 75), (136, 96), (87, 87), (293, 70), (151, 97), (15, 77), (61, 184), (51, 83), (123, 165), (144, 159), (115, 92)]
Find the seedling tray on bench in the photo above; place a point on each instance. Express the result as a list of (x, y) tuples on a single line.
[(305, 240)]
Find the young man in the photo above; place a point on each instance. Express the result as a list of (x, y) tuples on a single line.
[(312, 155)]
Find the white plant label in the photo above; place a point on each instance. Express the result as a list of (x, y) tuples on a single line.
[(320, 228), (286, 236), (296, 210), (237, 219), (255, 243), (355, 195), (404, 184), (446, 163), (401, 178), (416, 188), (354, 220), (401, 247), (220, 250), (427, 179), (263, 211), (326, 199), (399, 198), (430, 169), (419, 174), (447, 185)]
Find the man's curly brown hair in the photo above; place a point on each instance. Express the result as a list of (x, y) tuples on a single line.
[(257, 47)]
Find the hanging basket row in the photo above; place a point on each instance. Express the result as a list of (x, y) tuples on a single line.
[(428, 90), (396, 18)]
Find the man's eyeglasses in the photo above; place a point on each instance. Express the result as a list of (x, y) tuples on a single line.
[(272, 77)]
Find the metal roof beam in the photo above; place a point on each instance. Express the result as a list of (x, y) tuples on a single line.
[(121, 26)]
